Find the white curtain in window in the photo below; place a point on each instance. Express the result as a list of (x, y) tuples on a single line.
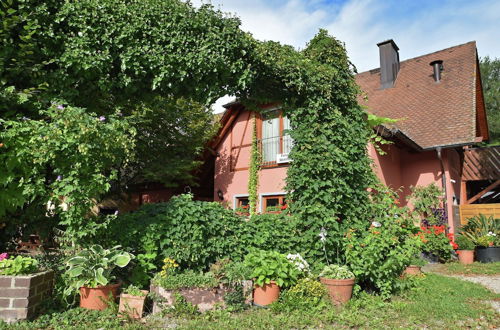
[(287, 140), (270, 138)]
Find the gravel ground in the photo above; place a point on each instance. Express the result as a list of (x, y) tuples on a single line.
[(490, 282)]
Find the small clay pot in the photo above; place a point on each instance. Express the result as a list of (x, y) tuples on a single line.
[(132, 305), (466, 257), (266, 295), (98, 297), (340, 291), (413, 270)]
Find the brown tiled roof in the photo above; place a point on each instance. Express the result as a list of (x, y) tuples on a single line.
[(432, 114)]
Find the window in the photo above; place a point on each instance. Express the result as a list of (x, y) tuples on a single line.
[(275, 138), (242, 202), (107, 211), (273, 203)]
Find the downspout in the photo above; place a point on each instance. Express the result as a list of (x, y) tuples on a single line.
[(443, 179)]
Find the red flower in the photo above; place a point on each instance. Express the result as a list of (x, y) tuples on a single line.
[(245, 207), (284, 207)]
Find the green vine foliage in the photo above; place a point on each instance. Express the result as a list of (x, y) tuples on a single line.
[(253, 179), (117, 55), (67, 159)]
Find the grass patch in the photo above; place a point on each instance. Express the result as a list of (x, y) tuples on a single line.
[(477, 268), (437, 302)]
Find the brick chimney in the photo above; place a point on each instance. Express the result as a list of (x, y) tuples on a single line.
[(389, 63)]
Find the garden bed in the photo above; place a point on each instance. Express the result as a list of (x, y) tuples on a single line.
[(437, 303), (21, 296)]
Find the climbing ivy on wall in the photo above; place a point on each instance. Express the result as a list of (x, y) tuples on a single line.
[(253, 176), (118, 56)]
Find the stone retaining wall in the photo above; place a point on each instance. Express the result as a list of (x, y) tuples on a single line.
[(20, 296), (204, 299)]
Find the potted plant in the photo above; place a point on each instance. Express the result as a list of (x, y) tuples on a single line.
[(271, 271), (415, 267), (273, 209), (132, 301), (484, 232), (465, 250), (90, 271), (339, 281), (243, 210), (488, 248)]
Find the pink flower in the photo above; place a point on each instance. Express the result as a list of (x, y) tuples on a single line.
[(3, 256)]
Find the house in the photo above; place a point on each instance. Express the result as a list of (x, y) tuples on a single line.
[(437, 98)]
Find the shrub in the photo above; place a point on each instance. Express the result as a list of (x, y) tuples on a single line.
[(336, 272), (235, 299), (18, 265), (277, 232), (378, 253), (426, 201), (309, 288), (482, 230), (306, 295), (436, 242), (196, 234), (464, 243), (134, 291), (270, 266), (185, 280)]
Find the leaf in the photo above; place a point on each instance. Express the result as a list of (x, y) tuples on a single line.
[(75, 272), (99, 277), (122, 260)]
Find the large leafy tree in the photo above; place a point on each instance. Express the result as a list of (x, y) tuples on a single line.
[(490, 77), (155, 64)]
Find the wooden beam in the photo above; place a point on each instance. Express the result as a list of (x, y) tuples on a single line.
[(463, 192), (489, 188)]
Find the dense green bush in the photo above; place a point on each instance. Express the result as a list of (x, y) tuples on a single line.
[(306, 295), (378, 253), (270, 266), (196, 234), (277, 232), (193, 233)]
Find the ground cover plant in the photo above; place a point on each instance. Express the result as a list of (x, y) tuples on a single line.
[(437, 302)]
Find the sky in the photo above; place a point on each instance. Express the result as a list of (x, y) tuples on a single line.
[(418, 27)]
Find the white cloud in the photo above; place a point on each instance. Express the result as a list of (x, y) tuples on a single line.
[(416, 27)]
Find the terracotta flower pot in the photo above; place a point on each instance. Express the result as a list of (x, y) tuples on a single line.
[(466, 257), (412, 270), (132, 305), (340, 291), (98, 298), (266, 295)]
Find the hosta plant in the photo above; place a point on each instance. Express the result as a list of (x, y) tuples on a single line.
[(93, 267), (270, 266), (336, 272)]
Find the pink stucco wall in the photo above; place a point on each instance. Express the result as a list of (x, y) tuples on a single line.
[(398, 168)]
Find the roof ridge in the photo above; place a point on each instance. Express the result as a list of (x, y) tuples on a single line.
[(417, 57)]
